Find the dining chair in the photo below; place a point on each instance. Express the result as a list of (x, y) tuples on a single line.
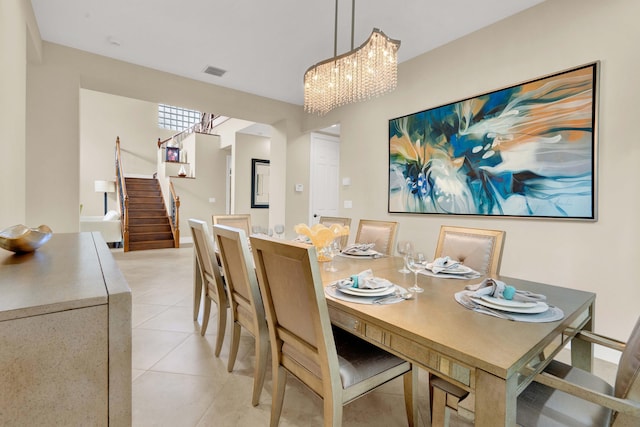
[(210, 279), (242, 221), (335, 364), (476, 248), (330, 220), (563, 395), (245, 301), (382, 233), (481, 250)]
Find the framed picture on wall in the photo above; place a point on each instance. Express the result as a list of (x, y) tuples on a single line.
[(173, 154), (528, 150), (260, 183)]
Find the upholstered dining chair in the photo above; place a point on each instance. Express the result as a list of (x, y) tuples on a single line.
[(210, 280), (245, 302), (336, 365), (481, 250), (566, 396), (330, 220), (382, 233), (476, 248), (242, 221)]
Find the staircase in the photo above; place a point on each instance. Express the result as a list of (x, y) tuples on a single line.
[(149, 226)]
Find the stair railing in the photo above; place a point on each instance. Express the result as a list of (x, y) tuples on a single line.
[(175, 215), (121, 189)]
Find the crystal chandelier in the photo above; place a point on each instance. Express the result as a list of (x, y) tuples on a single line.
[(362, 73)]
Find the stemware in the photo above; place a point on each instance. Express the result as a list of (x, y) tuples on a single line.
[(279, 229), (415, 262), (331, 251), (404, 247)]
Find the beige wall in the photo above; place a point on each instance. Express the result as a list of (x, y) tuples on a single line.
[(53, 120), (103, 117), (249, 147), (553, 36), (13, 54)]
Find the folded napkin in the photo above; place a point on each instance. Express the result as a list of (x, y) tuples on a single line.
[(498, 289), (365, 280), (358, 248), (442, 264)]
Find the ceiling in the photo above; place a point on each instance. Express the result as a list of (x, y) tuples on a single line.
[(264, 46)]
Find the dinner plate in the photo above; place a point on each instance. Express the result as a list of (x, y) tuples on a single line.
[(540, 307), (509, 303), (368, 253), (363, 292)]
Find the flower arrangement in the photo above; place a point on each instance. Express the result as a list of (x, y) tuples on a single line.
[(322, 236)]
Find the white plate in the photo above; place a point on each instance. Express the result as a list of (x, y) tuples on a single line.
[(540, 307), (459, 269), (509, 303), (369, 253), (369, 292)]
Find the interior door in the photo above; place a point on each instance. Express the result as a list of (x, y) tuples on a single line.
[(324, 176)]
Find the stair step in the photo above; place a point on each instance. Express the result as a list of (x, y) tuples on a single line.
[(138, 205), (155, 244), (141, 213), (149, 236), (147, 220), (149, 228), (143, 193)]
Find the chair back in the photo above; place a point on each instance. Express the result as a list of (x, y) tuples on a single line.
[(381, 233), (476, 248), (330, 220), (627, 384), (242, 285), (297, 313), (205, 257), (241, 221)]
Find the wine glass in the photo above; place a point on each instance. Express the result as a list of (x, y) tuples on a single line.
[(415, 262), (279, 229), (404, 247), (330, 251)]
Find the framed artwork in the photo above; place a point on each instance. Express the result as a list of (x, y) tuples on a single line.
[(173, 154), (260, 183), (528, 150)]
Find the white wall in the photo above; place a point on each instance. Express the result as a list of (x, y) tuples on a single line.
[(551, 37)]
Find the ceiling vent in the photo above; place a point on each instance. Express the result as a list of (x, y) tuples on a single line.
[(218, 72)]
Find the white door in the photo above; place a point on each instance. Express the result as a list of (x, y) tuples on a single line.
[(324, 176)]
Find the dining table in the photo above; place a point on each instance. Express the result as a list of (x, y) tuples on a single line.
[(493, 357)]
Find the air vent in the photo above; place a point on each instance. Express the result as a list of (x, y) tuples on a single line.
[(218, 72)]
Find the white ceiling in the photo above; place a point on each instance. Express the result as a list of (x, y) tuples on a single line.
[(265, 46)]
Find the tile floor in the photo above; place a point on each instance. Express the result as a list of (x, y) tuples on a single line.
[(177, 381)]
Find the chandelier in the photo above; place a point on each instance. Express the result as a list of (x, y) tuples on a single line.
[(362, 73)]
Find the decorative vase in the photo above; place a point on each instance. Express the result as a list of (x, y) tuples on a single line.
[(182, 172)]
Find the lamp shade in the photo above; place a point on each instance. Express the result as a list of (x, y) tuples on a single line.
[(104, 186)]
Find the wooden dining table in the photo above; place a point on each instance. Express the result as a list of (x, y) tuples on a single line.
[(492, 357)]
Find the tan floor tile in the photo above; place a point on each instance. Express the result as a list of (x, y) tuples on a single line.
[(149, 346)]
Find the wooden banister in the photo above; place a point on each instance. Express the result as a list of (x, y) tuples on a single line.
[(175, 215), (123, 204)]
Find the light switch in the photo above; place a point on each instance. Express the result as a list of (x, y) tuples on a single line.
[(299, 188), (348, 204), (346, 181), (212, 199)]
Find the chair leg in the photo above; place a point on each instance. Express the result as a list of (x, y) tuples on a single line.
[(206, 313), (197, 289), (279, 384), (222, 326), (260, 368), (410, 380), (332, 411), (235, 343), (439, 413)]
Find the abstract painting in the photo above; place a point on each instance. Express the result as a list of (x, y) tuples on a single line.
[(525, 151)]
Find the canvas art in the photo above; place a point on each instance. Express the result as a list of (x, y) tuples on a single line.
[(525, 151)]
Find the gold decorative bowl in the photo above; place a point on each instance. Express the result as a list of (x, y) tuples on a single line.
[(22, 239)]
